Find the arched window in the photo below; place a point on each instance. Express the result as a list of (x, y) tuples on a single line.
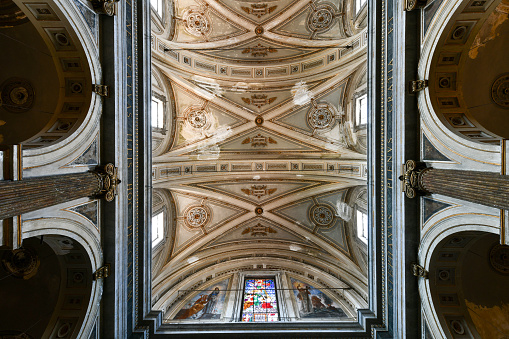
[(157, 229), (157, 112), (361, 110), (260, 300), (362, 225)]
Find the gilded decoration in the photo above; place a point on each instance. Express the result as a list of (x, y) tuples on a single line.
[(197, 216)]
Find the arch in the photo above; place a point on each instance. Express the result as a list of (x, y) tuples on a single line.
[(442, 58), (86, 238), (162, 89), (463, 294), (72, 47), (163, 201), (170, 299), (53, 275)]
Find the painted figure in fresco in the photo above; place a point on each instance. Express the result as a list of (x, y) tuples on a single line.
[(317, 303), (304, 297), (212, 301), (204, 305), (197, 307)]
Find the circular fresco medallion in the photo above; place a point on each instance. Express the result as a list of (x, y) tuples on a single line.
[(321, 19), (196, 22), (322, 215), (500, 91), (196, 216)]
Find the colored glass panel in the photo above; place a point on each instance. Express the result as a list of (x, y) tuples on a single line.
[(260, 301)]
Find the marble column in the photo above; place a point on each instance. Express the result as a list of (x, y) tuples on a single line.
[(485, 188), (27, 195)]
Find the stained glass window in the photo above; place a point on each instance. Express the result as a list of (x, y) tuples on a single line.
[(260, 300)]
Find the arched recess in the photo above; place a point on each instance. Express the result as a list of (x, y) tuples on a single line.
[(467, 80), (466, 290), (356, 16), (172, 297), (58, 233), (162, 18), (52, 275), (447, 108), (357, 223), (53, 86), (355, 127), (162, 94), (162, 202)]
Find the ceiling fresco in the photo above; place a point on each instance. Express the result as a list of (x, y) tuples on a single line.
[(260, 155)]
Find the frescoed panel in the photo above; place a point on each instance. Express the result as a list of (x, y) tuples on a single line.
[(313, 303), (206, 305), (260, 300)]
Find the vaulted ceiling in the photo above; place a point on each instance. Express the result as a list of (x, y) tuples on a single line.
[(259, 155)]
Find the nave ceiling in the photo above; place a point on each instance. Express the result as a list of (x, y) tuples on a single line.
[(263, 92)]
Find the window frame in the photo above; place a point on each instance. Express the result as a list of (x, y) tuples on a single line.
[(356, 97), (163, 238), (241, 308), (162, 99), (358, 8), (363, 239), (158, 11)]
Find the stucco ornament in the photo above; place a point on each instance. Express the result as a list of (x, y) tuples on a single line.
[(196, 216), (322, 18), (322, 215), (322, 117), (196, 21)]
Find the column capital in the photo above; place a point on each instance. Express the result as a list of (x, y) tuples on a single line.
[(413, 171), (108, 176)]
